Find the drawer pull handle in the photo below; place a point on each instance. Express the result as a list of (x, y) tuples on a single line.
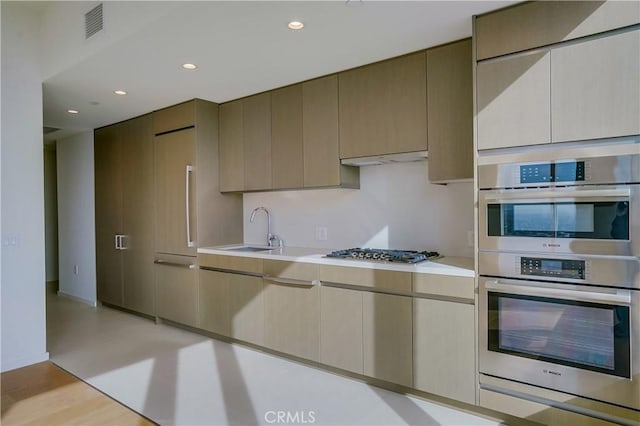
[(291, 281)]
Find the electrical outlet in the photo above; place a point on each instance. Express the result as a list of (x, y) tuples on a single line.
[(75, 269), (470, 238), (321, 233)]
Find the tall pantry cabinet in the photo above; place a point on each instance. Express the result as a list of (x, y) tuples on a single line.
[(124, 206), (190, 210)]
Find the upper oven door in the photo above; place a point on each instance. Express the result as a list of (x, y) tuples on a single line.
[(602, 220)]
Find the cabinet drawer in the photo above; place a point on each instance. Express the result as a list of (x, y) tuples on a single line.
[(231, 263), (177, 289), (175, 117), (534, 411), (290, 270), (444, 285), (364, 277)]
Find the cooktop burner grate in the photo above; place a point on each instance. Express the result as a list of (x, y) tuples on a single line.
[(385, 255)]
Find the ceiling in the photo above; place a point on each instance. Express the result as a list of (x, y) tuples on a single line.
[(241, 48)]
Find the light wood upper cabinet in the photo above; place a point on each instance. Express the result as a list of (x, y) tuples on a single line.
[(383, 107), (541, 23), (175, 174), (341, 329), (321, 147), (450, 111), (387, 337), (286, 137), (231, 147), (595, 88), (256, 124), (514, 101), (444, 354), (174, 117)]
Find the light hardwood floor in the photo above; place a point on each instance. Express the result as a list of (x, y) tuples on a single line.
[(44, 394)]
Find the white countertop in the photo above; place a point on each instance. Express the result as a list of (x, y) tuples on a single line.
[(457, 266)]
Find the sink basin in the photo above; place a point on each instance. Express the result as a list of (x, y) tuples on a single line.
[(248, 248)]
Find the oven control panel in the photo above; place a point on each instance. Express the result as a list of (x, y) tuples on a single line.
[(574, 171), (559, 268)]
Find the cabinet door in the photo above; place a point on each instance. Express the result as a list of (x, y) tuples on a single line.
[(514, 102), (108, 205), (246, 306), (213, 301), (177, 289), (540, 23), (174, 117), (387, 338), (383, 107), (322, 166), (450, 111), (256, 119), (286, 137), (444, 355), (341, 329), (138, 228), (292, 319), (231, 147), (174, 175), (595, 88)]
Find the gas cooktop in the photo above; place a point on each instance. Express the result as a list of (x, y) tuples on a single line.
[(385, 255)]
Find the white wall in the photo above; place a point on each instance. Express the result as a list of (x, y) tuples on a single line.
[(50, 214), (22, 290), (76, 217), (395, 207)]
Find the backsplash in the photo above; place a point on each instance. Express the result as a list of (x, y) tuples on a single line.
[(395, 207)]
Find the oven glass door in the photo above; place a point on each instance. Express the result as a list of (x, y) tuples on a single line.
[(602, 220), (586, 335)]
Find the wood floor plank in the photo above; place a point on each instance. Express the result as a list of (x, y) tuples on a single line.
[(44, 394)]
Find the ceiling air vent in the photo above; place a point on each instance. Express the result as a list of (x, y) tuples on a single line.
[(93, 21), (46, 130)]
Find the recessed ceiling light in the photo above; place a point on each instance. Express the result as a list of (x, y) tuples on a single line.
[(120, 92), (295, 25), (189, 66), (73, 111)]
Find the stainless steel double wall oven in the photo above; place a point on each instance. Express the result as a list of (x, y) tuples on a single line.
[(559, 240)]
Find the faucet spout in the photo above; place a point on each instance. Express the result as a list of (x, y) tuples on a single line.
[(271, 239)]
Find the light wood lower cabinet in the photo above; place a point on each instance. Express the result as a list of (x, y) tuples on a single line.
[(443, 345), (246, 308), (177, 289), (292, 318), (232, 305), (341, 328), (213, 302), (387, 337), (535, 411)]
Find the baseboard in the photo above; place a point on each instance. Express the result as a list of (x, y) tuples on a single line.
[(12, 364), (77, 299)]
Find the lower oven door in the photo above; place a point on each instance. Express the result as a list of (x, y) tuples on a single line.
[(577, 339)]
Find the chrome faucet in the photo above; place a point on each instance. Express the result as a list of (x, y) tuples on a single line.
[(272, 240)]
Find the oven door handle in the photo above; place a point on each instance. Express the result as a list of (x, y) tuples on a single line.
[(622, 194), (616, 297)]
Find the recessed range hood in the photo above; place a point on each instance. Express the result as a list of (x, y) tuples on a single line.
[(376, 160)]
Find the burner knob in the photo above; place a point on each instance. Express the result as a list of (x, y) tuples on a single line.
[(354, 254), (368, 255)]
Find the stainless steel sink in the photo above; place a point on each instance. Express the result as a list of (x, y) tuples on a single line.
[(247, 248)]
